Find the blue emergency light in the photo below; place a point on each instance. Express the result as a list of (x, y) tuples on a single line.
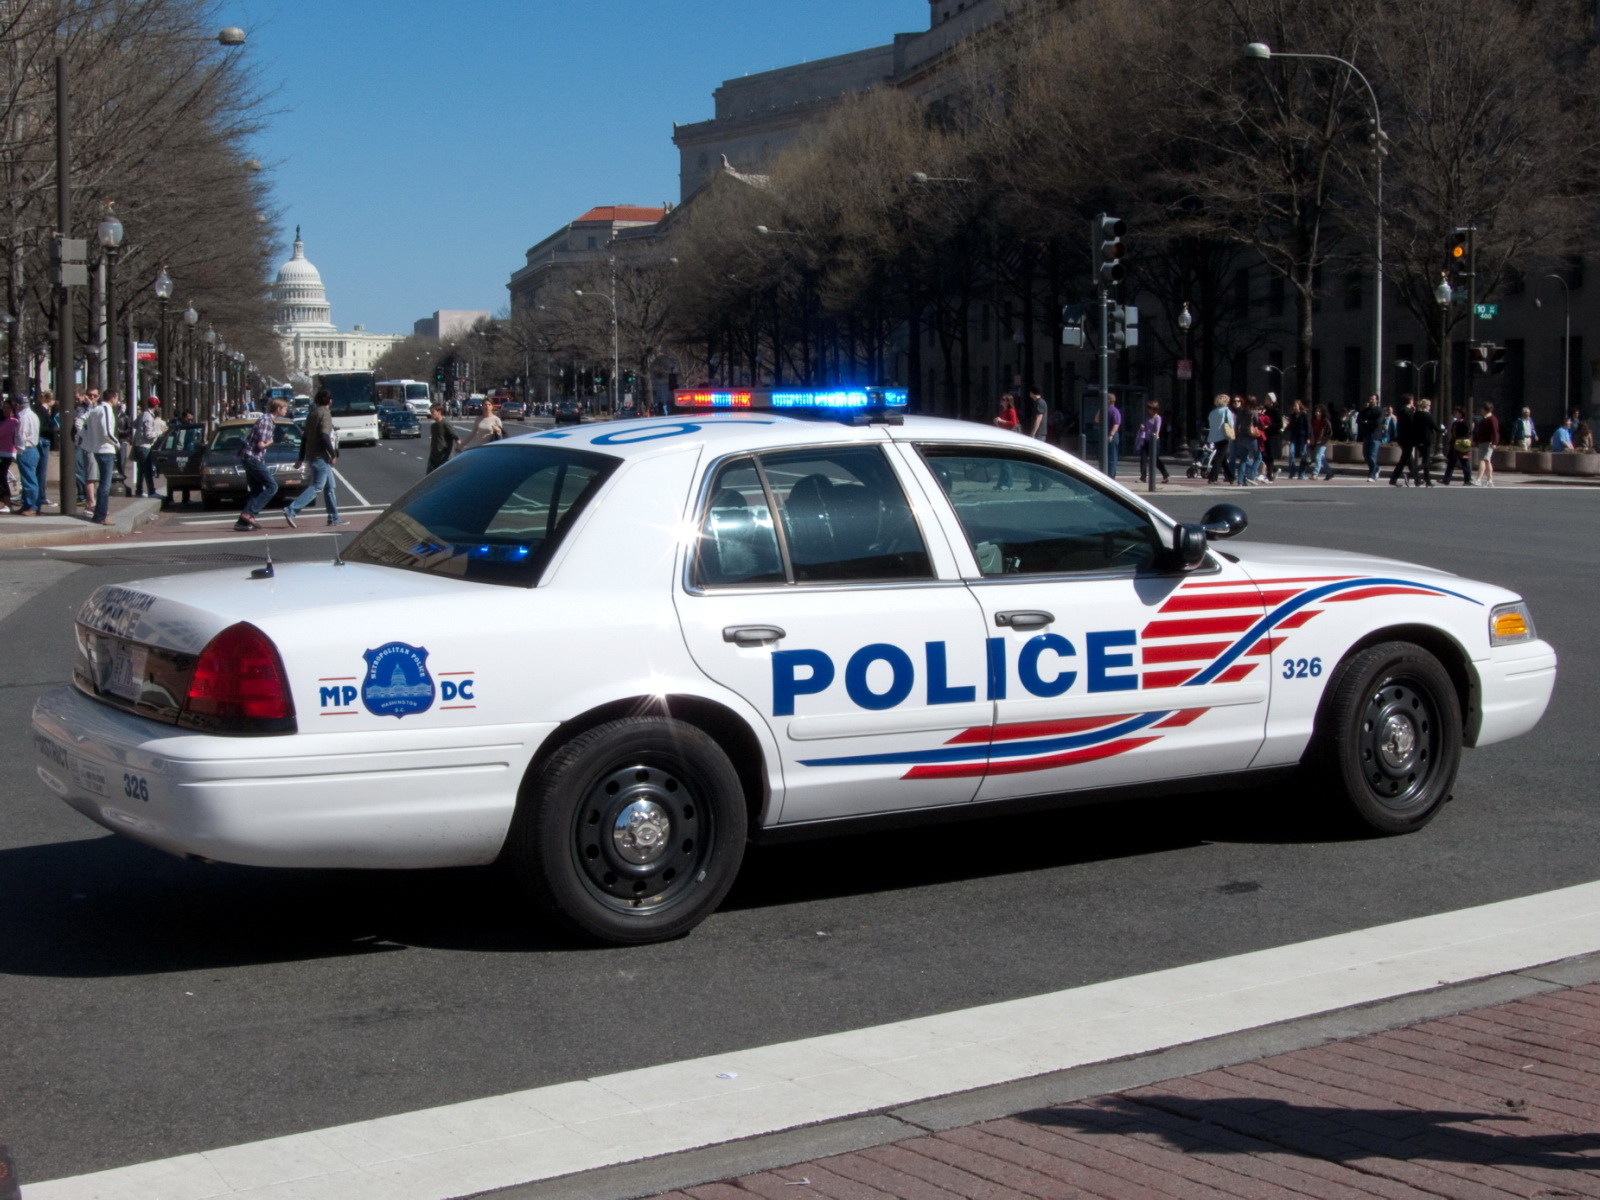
[(840, 403)]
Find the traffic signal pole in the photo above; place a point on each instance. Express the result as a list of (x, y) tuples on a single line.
[(1472, 309), (1105, 248)]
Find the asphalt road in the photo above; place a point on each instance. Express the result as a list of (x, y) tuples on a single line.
[(151, 1006)]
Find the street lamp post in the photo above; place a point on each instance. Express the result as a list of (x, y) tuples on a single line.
[(211, 374), (190, 317), (163, 290), (1186, 323), (1260, 50), (611, 300), (1566, 339), (110, 233)]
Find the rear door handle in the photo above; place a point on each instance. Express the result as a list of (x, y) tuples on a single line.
[(1024, 619), (752, 635)]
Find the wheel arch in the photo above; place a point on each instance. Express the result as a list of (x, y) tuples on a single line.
[(719, 722), (1452, 656)]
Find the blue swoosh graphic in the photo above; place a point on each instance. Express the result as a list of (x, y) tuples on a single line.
[(1022, 749)]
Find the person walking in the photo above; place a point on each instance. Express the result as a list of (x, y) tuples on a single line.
[(1424, 436), (99, 445), (1405, 437), (1272, 425), (1113, 432), (49, 430), (1038, 416), (1485, 437), (147, 431), (1322, 427), (1297, 426), (253, 458), (1220, 433), (1369, 430), (442, 438), (1458, 447), (488, 429), (1147, 443), (28, 456), (1523, 434), (1244, 447), (8, 454), (319, 449), (1006, 418)]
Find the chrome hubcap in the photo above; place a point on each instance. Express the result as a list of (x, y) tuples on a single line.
[(1398, 742), (641, 832)]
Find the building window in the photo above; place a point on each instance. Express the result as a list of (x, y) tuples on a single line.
[(594, 244)]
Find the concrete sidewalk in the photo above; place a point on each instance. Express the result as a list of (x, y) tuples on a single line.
[(50, 528), (1498, 1101)]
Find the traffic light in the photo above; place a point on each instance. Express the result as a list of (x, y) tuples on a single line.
[(1110, 231), (1497, 359), (1116, 328), (1480, 357), (438, 373), (1456, 253), (1072, 317)]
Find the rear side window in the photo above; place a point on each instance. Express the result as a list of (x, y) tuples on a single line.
[(841, 517), (492, 515)]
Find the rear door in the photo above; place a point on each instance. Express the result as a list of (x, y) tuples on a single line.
[(1106, 666), (831, 601)]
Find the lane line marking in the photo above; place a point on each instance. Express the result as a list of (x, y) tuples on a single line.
[(188, 522), (542, 1133), (241, 539), (361, 500)]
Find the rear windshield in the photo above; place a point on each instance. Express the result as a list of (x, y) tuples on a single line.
[(491, 515)]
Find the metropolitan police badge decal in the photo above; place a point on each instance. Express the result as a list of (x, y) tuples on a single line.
[(397, 683)]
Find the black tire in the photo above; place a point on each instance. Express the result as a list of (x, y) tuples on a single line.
[(632, 832), (1389, 735)]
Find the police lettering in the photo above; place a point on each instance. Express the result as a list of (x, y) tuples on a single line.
[(450, 689), (882, 676), (338, 697)]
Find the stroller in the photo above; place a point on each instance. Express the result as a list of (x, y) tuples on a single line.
[(1201, 453)]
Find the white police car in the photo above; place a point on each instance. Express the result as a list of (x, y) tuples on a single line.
[(613, 653)]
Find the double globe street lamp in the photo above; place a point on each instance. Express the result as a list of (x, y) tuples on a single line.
[(110, 234)]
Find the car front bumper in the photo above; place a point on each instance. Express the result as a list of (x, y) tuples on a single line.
[(391, 799), (1514, 687)]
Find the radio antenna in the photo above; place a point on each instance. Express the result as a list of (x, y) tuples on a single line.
[(265, 572)]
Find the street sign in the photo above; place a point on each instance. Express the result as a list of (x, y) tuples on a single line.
[(1185, 369), (1485, 312)]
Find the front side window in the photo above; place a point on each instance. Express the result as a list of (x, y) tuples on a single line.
[(494, 515), (1028, 516), (842, 517)]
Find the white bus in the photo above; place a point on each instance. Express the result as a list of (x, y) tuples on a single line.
[(355, 405), (406, 393)]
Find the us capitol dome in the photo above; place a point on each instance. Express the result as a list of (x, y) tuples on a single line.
[(303, 320)]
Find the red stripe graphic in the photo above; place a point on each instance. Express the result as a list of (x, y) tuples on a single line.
[(1022, 730), (1237, 672), (1026, 765), (1165, 679), (1266, 645), (1198, 627), (1295, 620), (1184, 652), (1187, 716), (1372, 593), (1218, 600)]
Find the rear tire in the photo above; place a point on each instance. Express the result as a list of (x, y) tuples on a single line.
[(1389, 737), (632, 832)]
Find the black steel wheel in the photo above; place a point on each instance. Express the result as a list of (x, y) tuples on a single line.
[(1389, 736), (632, 832)]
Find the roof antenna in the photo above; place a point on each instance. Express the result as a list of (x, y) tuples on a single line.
[(265, 572), (338, 559)]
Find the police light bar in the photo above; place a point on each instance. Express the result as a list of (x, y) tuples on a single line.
[(822, 401)]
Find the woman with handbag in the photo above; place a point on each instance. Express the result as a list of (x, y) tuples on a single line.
[(1458, 447)]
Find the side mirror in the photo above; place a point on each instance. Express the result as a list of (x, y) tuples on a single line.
[(1224, 521), (1188, 546)]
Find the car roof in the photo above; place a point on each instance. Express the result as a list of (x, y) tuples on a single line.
[(731, 432)]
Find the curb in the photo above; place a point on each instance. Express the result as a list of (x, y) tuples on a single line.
[(124, 520)]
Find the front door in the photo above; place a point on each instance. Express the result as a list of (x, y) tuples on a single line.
[(846, 623), (1106, 667)]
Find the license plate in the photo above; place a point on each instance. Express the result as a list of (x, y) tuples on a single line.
[(126, 676)]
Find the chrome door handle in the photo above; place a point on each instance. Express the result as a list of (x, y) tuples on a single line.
[(752, 635), (1024, 619)]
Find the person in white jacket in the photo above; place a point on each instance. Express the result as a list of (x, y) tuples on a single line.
[(100, 443)]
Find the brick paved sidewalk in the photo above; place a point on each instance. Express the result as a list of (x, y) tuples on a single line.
[(1497, 1102)]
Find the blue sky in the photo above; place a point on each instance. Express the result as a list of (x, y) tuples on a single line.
[(425, 145)]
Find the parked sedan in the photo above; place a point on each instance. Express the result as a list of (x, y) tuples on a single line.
[(222, 475), (176, 459), (398, 423), (568, 412)]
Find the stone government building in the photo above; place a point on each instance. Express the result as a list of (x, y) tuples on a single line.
[(310, 340)]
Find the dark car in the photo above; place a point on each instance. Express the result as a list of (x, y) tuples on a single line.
[(222, 475), (472, 405), (398, 423), (568, 412), (512, 410), (175, 458)]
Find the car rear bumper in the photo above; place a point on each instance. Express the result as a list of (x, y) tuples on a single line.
[(1514, 688), (402, 799)]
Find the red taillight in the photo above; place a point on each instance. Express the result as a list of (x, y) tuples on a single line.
[(239, 685)]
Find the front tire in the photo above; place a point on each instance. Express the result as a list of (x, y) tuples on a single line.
[(632, 832), (1390, 737)]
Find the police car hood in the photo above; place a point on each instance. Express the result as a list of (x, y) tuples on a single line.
[(1266, 562), (183, 612)]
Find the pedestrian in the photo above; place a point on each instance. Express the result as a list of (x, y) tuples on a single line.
[(253, 458), (8, 454), (80, 412), (1244, 448), (1272, 423), (1523, 434), (1220, 433), (49, 431), (1405, 437), (1038, 416), (488, 429), (125, 467), (147, 431), (1297, 426), (29, 456), (1485, 437), (1425, 433), (1458, 447), (1113, 432), (1322, 427), (443, 439), (1561, 439), (100, 448), (1147, 443), (1369, 430), (319, 450)]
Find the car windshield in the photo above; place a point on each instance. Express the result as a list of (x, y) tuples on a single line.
[(493, 515), (231, 437)]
